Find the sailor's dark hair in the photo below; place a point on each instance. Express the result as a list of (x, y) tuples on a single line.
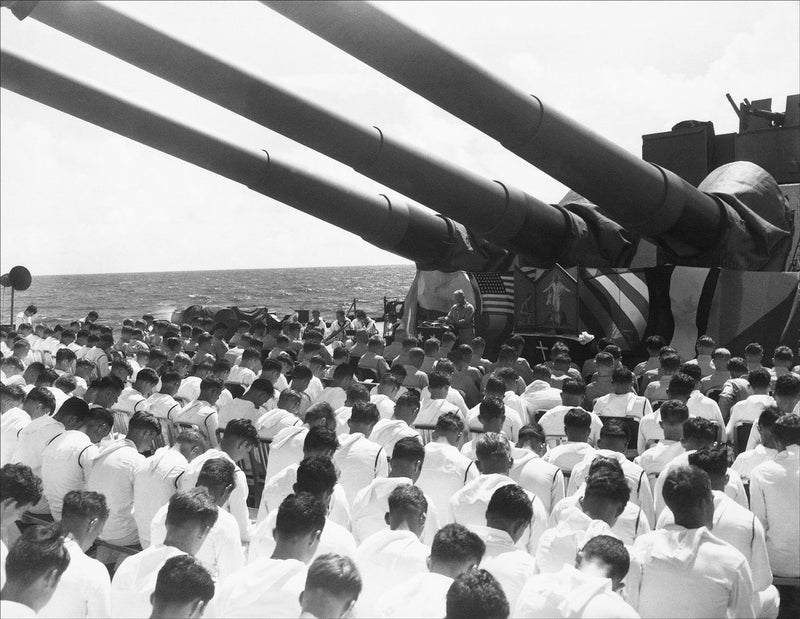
[(607, 484), (320, 410), (605, 463), (182, 580), (192, 506), (300, 514), (622, 376), (531, 432), (759, 378), (211, 384), (788, 386), (357, 393), (14, 361), (611, 551), (316, 475), (512, 503), (706, 340), (681, 384), (364, 412), (783, 353), (39, 550), (754, 348), (407, 498), (449, 422), (507, 375), (242, 429), (46, 377), (221, 365), (769, 416), (495, 385), (270, 365), (615, 428), (409, 448), (74, 407), (684, 486), (144, 421), (713, 460), (320, 438), (99, 415), (492, 445), (577, 418), (603, 358), (43, 396), (491, 408), (170, 377), (335, 574), (302, 372), (18, 482), (673, 412), (720, 353), (431, 344), (670, 362), (454, 543), (476, 593), (667, 350), (573, 386), (288, 395), (542, 372), (13, 392), (147, 375), (787, 429), (437, 380), (84, 504), (65, 354), (693, 370), (700, 429)]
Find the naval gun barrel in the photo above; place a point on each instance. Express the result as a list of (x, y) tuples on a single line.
[(406, 229), (644, 198), (490, 209)]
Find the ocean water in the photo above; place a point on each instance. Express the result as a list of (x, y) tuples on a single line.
[(116, 296)]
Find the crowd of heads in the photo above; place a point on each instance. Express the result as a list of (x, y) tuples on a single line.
[(77, 374)]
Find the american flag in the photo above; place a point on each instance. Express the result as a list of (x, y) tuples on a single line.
[(497, 292), (615, 302)]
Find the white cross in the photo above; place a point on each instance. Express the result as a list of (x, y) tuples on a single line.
[(544, 350)]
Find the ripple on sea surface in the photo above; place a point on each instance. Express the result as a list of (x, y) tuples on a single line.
[(128, 295)]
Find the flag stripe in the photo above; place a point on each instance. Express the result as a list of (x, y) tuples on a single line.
[(623, 291), (594, 311), (636, 281), (612, 306)]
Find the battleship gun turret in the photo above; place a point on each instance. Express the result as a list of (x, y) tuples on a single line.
[(737, 218), (498, 212), (666, 244), (398, 226)]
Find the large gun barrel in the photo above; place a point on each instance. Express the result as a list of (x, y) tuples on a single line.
[(406, 229), (490, 209), (644, 198)]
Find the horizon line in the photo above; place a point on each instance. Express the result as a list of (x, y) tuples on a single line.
[(321, 266)]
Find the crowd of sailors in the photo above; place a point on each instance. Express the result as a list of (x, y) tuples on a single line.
[(169, 470)]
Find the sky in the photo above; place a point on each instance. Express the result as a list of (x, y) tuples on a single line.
[(75, 198)]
